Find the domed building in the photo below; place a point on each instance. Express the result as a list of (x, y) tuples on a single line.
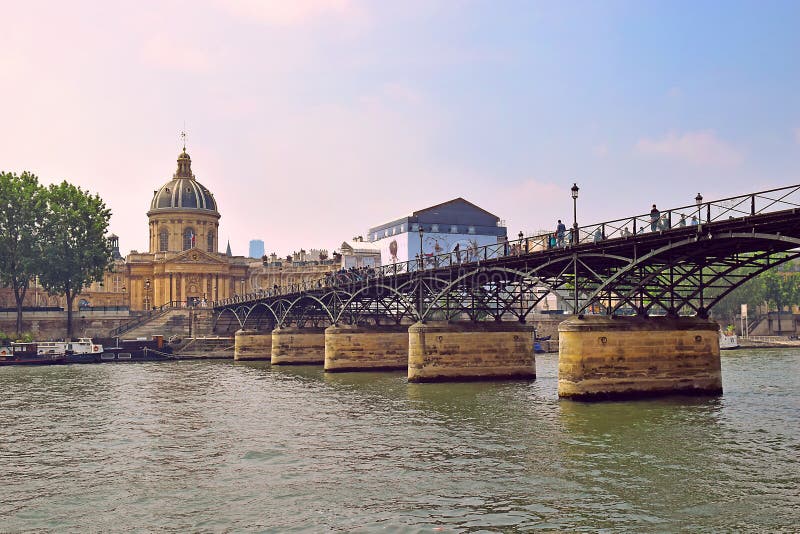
[(183, 265)]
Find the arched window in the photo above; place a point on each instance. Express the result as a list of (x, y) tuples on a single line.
[(211, 242), (188, 238), (163, 240)]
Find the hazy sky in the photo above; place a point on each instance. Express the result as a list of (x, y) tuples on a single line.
[(312, 120)]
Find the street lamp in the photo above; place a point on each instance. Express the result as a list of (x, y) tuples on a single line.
[(147, 294), (124, 289), (421, 257), (699, 201), (574, 191)]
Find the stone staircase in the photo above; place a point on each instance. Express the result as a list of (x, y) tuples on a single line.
[(173, 322), (180, 322)]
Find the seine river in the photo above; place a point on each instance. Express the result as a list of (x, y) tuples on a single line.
[(218, 446)]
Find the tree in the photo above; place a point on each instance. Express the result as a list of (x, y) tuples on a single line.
[(75, 249), (778, 290), (750, 293), (22, 207)]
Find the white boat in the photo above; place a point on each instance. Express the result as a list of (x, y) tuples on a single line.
[(84, 345), (728, 340), (51, 347)]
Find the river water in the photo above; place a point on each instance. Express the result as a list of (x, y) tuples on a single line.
[(218, 446)]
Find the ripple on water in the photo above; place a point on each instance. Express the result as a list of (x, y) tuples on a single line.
[(217, 446)]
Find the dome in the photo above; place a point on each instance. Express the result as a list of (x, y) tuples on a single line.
[(183, 191)]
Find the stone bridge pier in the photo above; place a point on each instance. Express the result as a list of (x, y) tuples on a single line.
[(252, 345), (610, 357), (293, 345), (366, 348), (460, 351)]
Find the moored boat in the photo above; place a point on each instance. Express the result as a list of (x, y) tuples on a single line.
[(83, 351), (728, 340), (138, 350), (28, 354)]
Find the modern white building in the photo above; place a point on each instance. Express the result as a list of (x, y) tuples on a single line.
[(455, 223), (359, 253)]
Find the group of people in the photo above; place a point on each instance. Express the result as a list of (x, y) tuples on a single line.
[(658, 222), (663, 222)]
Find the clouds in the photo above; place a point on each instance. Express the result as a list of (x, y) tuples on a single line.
[(293, 13), (169, 54), (701, 148)]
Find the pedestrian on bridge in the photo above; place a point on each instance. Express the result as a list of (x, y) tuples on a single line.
[(682, 222), (655, 216), (560, 231)]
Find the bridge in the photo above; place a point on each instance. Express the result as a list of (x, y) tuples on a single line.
[(634, 271)]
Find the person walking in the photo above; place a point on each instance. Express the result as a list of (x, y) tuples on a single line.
[(655, 215), (682, 222), (561, 229)]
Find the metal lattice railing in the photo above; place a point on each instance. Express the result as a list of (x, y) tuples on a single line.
[(698, 214)]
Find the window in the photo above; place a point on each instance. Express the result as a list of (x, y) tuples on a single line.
[(434, 228), (188, 238), (211, 242), (402, 228), (163, 240), (453, 229), (415, 227), (471, 230)]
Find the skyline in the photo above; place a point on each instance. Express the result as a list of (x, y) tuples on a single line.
[(318, 119)]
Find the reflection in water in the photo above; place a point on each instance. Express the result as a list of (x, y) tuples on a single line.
[(216, 446)]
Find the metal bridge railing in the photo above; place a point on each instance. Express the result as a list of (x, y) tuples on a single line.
[(772, 200)]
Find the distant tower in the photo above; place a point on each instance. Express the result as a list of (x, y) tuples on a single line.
[(256, 248), (228, 250), (114, 240)]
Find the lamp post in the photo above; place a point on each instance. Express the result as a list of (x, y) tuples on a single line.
[(147, 294), (574, 191), (421, 297), (699, 201), (124, 289), (421, 257)]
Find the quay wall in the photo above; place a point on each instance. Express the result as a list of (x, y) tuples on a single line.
[(52, 325)]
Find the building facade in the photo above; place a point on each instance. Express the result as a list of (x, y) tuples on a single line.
[(456, 223), (256, 248)]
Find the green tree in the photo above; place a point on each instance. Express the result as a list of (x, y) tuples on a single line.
[(779, 290), (750, 293), (75, 249), (22, 207)]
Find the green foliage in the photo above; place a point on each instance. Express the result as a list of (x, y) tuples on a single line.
[(22, 209), (750, 293), (25, 337), (74, 245)]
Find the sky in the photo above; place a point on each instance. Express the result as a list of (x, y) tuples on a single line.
[(313, 120)]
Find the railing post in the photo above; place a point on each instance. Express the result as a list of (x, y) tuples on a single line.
[(708, 212), (752, 204), (635, 231)]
